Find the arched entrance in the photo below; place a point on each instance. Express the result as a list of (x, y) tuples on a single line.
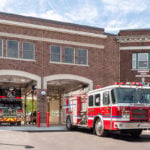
[(57, 86), (21, 83)]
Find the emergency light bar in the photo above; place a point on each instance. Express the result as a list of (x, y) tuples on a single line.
[(129, 83)]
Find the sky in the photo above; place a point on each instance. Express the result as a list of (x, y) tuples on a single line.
[(112, 15)]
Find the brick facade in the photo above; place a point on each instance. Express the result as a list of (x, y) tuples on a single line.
[(103, 50), (133, 41)]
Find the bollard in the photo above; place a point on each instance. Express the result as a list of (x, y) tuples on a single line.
[(47, 119), (38, 119)]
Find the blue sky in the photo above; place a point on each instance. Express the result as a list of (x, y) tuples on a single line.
[(112, 15)]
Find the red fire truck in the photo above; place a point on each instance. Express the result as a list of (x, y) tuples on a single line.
[(10, 106), (124, 107)]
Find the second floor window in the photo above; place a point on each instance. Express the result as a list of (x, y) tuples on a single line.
[(12, 49), (28, 50), (82, 56), (140, 60), (143, 60), (55, 54), (1, 48), (69, 55)]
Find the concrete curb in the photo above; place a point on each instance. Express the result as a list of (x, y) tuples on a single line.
[(34, 129)]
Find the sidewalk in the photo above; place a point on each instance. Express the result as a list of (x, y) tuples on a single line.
[(33, 128)]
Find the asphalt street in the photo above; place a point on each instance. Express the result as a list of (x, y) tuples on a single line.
[(66, 140)]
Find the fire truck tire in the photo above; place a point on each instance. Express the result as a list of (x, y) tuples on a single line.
[(18, 123), (12, 123), (69, 124), (135, 133), (99, 128)]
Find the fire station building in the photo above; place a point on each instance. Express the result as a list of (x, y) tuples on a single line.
[(58, 58)]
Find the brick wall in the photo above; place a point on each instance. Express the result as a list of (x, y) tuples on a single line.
[(98, 68), (126, 71)]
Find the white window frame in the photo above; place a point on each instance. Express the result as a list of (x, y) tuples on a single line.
[(73, 53), (33, 51), (139, 61), (87, 56), (2, 48), (60, 54), (134, 54), (7, 49)]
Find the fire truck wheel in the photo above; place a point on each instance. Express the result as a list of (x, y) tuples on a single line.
[(68, 123), (135, 133), (18, 123), (99, 128)]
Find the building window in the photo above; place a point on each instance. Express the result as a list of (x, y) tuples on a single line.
[(1, 48), (28, 50), (69, 55), (140, 60), (82, 57), (55, 54), (12, 49)]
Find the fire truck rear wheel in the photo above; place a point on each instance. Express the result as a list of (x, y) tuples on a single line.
[(68, 123), (99, 128)]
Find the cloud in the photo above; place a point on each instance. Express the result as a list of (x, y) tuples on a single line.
[(87, 14), (125, 6), (109, 14), (3, 4)]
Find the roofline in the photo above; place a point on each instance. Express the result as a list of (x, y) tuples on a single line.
[(52, 21), (142, 29)]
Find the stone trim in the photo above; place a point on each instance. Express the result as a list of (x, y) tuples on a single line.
[(135, 48), (67, 76), (48, 28), (133, 39), (23, 74), (34, 38)]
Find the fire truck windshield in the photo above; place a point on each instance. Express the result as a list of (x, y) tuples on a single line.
[(130, 95)]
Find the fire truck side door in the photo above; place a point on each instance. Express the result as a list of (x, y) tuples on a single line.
[(90, 110), (107, 109)]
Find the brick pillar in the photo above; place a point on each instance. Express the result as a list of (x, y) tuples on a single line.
[(42, 107)]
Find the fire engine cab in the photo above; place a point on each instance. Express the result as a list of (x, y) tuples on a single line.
[(123, 107)]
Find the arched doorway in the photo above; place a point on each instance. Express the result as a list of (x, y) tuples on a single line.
[(16, 81), (58, 85)]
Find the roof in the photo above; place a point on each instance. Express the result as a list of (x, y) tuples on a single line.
[(51, 21)]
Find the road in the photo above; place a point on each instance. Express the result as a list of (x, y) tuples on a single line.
[(66, 140)]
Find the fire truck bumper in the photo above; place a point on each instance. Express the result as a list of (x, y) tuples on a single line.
[(132, 125)]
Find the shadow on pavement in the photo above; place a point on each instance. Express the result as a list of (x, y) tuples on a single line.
[(125, 137), (25, 146)]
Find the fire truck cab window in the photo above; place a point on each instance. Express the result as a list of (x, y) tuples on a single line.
[(106, 100), (90, 102), (97, 100)]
